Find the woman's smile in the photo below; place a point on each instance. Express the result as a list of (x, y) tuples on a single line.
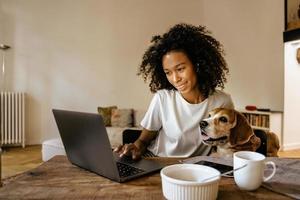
[(181, 87)]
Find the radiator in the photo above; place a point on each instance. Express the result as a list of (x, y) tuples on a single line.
[(12, 109)]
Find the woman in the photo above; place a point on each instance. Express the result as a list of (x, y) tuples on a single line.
[(185, 66)]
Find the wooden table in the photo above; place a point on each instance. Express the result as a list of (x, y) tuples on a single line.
[(59, 179)]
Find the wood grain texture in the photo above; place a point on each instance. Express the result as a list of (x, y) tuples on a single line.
[(16, 160), (59, 179)]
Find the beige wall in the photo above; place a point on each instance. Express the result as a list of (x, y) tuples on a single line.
[(81, 54)]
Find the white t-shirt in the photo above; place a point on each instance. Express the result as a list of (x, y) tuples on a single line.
[(177, 122)]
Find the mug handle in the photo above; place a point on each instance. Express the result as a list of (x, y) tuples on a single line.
[(274, 170)]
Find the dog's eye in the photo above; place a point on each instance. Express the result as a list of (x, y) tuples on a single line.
[(209, 115), (223, 119)]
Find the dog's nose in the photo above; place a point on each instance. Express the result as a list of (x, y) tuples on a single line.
[(203, 124)]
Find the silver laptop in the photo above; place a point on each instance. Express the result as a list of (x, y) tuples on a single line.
[(87, 145)]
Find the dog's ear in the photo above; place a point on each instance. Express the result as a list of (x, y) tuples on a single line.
[(242, 131), (273, 145)]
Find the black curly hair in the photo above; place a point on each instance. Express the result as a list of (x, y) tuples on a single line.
[(204, 51)]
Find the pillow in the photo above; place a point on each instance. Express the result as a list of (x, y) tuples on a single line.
[(105, 112), (122, 117)]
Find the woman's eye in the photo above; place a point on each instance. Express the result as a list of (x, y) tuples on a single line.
[(223, 119), (180, 69), (167, 73)]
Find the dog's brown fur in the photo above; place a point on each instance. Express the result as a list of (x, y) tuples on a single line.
[(229, 131), (272, 144)]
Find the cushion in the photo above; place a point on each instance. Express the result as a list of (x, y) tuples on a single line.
[(52, 148), (105, 112), (122, 117)]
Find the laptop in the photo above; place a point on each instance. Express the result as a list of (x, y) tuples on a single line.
[(87, 146)]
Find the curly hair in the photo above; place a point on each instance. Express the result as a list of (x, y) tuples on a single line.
[(204, 51)]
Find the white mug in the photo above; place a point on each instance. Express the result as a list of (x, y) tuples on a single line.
[(251, 175)]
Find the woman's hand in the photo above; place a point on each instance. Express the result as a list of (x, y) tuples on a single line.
[(130, 149), (138, 148)]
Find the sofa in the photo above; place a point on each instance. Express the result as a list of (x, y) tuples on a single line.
[(116, 121)]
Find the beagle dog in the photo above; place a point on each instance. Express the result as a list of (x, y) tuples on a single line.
[(229, 131), (272, 144)]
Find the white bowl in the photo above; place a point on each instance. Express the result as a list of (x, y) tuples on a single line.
[(184, 181)]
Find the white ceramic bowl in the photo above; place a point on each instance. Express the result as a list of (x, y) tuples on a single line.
[(184, 181)]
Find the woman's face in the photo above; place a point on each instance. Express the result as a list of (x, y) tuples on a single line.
[(180, 72)]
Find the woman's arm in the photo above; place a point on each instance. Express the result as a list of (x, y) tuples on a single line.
[(145, 138)]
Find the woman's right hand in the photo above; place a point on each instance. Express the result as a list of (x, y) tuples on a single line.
[(130, 149), (138, 148)]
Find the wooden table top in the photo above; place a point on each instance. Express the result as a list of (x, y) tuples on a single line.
[(59, 179)]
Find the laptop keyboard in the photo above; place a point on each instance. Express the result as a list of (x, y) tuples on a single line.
[(127, 170)]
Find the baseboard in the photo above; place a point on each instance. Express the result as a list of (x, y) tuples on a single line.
[(291, 146), (33, 142)]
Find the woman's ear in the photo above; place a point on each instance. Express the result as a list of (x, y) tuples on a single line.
[(241, 132)]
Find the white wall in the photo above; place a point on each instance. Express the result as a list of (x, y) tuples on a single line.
[(291, 137), (1, 51), (1, 26), (85, 53), (252, 36)]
